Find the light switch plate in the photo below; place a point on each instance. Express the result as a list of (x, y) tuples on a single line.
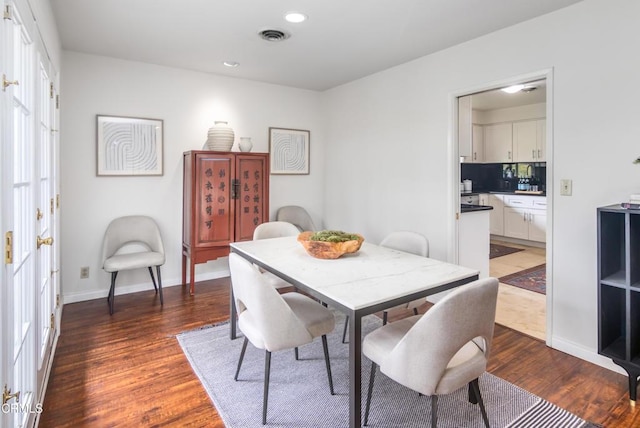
[(565, 187)]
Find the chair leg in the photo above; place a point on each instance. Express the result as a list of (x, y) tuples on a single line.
[(473, 398), (344, 332), (434, 411), (160, 285), (369, 393), (244, 348), (475, 385), (325, 348), (265, 397), (295, 352), (415, 311), (112, 292), (155, 287), (384, 317)]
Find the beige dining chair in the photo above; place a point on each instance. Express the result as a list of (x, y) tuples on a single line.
[(409, 242), (296, 215), (274, 321), (275, 229), (132, 242), (441, 351)]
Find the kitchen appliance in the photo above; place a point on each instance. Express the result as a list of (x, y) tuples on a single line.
[(467, 185), (470, 199)]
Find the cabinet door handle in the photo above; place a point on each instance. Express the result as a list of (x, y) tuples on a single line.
[(533, 154), (539, 153), (509, 155), (475, 156)]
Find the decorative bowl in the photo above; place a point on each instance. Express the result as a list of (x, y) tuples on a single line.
[(329, 250)]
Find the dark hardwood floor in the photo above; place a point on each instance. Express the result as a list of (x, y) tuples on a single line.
[(128, 370)]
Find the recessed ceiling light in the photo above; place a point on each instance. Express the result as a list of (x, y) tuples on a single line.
[(295, 17), (513, 89), (231, 63)]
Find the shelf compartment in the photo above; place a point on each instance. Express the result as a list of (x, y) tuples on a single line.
[(634, 326), (611, 237), (612, 322), (616, 279), (634, 250)]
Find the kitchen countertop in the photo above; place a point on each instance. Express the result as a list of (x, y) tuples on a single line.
[(466, 208), (502, 192)]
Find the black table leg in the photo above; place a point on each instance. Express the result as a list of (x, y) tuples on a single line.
[(355, 369)]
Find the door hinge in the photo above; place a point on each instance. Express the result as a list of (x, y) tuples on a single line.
[(457, 216), (51, 203), (57, 300), (51, 90), (8, 248), (53, 321), (57, 102), (58, 201), (7, 395), (7, 12)]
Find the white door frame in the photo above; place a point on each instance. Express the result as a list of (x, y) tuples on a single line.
[(454, 190)]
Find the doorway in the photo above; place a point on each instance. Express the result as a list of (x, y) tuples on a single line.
[(503, 148)]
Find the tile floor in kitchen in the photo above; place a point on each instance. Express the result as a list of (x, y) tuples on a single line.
[(519, 309)]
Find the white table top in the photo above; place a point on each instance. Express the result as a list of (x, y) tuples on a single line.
[(371, 276)]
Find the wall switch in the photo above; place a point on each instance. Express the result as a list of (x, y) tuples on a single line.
[(565, 187), (84, 272)]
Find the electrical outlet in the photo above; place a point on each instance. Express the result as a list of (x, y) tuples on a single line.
[(84, 272), (565, 187)]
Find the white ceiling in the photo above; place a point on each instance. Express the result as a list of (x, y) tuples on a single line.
[(342, 40), (496, 99)]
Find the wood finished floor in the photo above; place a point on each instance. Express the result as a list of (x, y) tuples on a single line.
[(127, 370), (519, 309)]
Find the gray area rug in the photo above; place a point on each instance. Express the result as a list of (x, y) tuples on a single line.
[(299, 392)]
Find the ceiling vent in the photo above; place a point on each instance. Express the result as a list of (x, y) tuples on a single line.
[(273, 35)]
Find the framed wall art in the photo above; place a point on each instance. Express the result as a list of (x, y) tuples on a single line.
[(129, 146), (289, 150)]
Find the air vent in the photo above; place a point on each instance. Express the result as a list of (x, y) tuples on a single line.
[(273, 35)]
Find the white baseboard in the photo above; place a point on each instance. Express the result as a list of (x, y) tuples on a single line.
[(134, 288), (586, 354)]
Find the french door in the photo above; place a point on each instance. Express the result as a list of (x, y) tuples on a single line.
[(28, 181)]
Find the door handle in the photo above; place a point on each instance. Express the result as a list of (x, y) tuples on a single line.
[(43, 241)]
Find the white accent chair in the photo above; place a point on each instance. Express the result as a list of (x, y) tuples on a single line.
[(275, 229), (297, 216), (409, 242), (132, 242), (274, 321), (440, 351)]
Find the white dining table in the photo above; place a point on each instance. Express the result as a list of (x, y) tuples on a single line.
[(371, 280)]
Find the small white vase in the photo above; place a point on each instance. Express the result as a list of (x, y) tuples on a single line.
[(245, 144), (220, 137)]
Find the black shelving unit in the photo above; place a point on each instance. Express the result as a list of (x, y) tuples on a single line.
[(619, 289)]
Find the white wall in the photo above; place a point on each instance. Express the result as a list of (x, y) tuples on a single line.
[(511, 114), (389, 138), (188, 102)]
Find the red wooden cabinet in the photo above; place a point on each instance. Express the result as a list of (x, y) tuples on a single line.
[(225, 196)]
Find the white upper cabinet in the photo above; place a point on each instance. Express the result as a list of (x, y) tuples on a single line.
[(477, 144), (464, 127), (529, 141), (498, 143)]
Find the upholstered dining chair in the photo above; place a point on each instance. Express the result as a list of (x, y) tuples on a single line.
[(275, 229), (409, 242), (297, 216), (441, 351), (132, 242), (274, 321)]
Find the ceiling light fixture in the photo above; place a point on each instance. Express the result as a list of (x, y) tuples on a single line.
[(231, 63), (295, 17), (513, 89)]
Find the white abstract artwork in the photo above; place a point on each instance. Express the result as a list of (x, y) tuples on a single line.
[(129, 146), (289, 151)]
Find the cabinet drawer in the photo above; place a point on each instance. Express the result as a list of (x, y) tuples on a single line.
[(519, 201)]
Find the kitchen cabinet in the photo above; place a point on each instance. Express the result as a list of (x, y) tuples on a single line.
[(525, 217), (529, 141), (473, 249), (464, 126), (225, 197), (619, 290), (477, 144), (498, 143), (496, 218)]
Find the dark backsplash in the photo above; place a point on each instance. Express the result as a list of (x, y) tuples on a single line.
[(488, 177)]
